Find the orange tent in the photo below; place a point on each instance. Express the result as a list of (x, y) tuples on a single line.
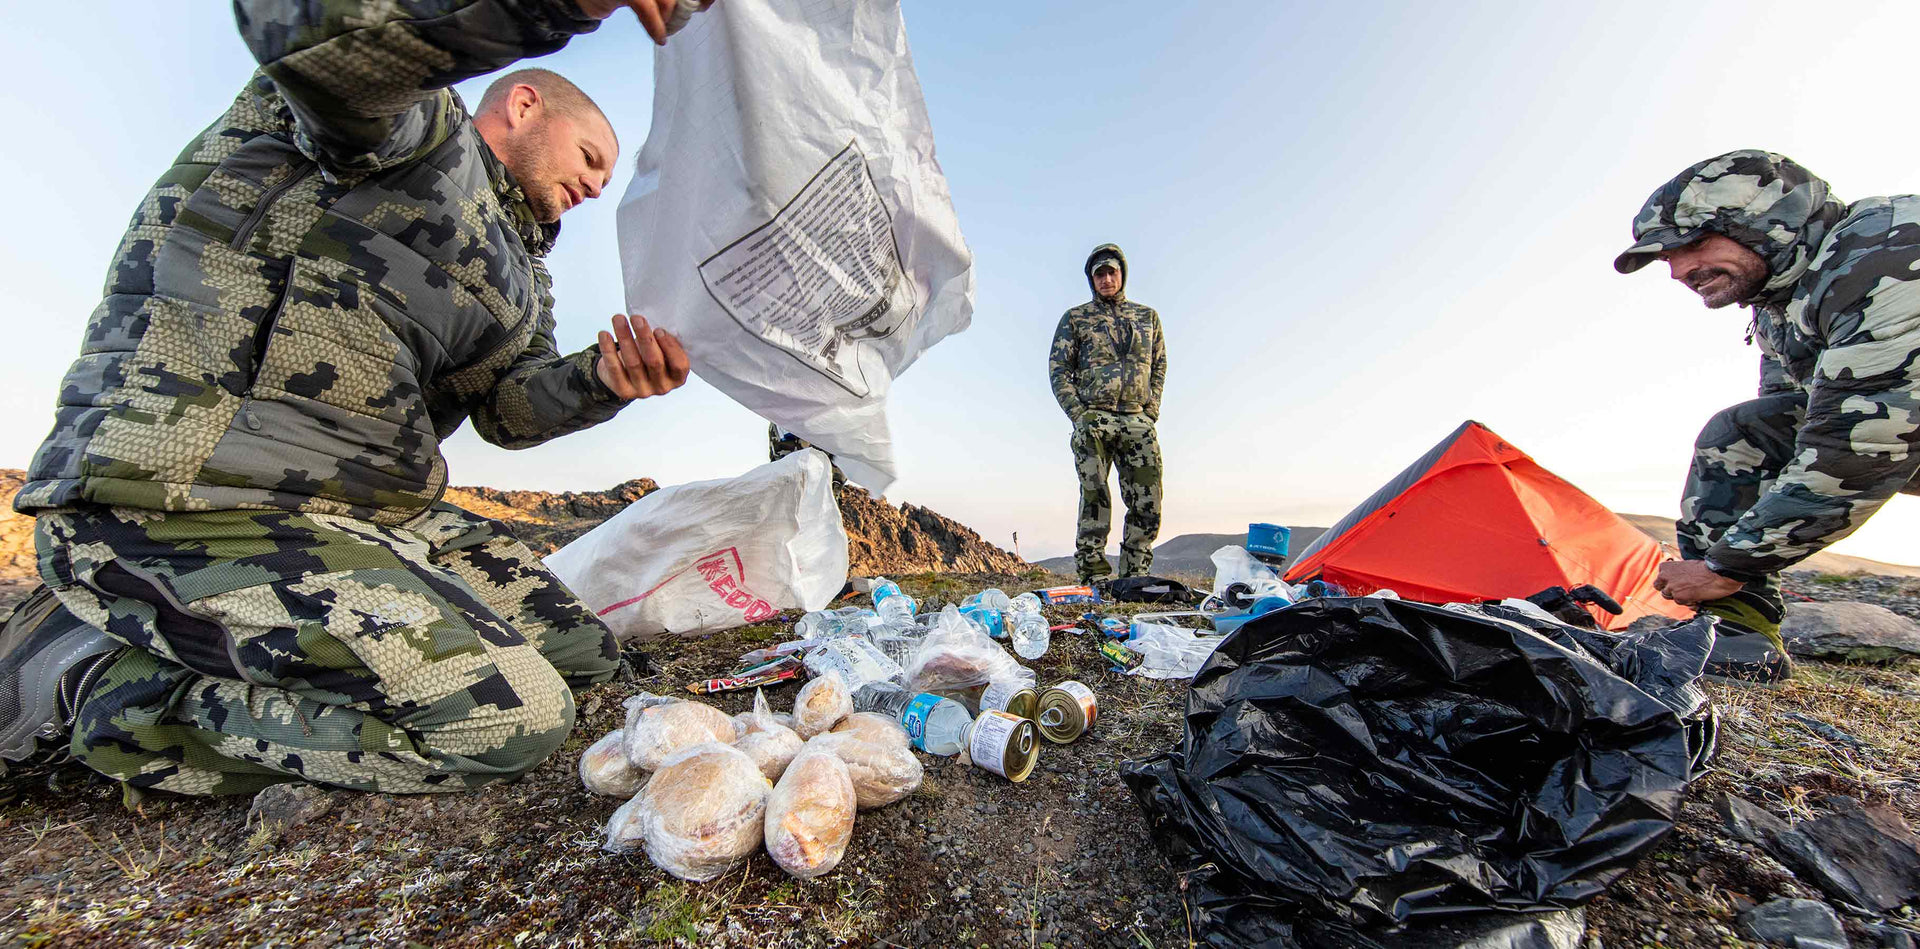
[(1476, 519)]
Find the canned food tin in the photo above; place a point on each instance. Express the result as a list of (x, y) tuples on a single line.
[(1066, 712), (1012, 696), (1003, 744)]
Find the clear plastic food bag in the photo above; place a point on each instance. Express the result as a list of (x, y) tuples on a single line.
[(875, 728), (809, 817), (604, 767), (701, 812), (770, 744), (858, 661), (1169, 652), (821, 704), (956, 655), (882, 773), (658, 727)]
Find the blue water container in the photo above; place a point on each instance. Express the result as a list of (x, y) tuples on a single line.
[(1269, 539), (1224, 624)]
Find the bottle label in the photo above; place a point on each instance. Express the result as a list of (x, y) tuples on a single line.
[(914, 719)]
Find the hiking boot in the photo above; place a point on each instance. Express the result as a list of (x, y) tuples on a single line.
[(49, 662), (1745, 657)]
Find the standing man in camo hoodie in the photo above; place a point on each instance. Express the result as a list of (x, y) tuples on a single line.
[(1835, 294), (1108, 367), (251, 577)]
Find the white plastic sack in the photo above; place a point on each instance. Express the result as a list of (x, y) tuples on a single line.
[(787, 218), (1233, 564), (712, 555)]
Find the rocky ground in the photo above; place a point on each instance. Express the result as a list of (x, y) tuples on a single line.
[(969, 860)]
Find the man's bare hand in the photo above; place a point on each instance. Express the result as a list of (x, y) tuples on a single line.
[(653, 14), (637, 361), (1691, 583)]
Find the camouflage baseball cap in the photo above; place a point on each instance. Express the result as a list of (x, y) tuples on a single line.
[(1106, 263), (1765, 201)]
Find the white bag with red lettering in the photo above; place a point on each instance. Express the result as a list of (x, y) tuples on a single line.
[(711, 555)]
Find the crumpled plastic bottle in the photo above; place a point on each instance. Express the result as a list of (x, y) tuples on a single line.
[(1028, 631)]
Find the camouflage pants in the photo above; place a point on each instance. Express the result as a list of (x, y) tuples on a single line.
[(1102, 441), (435, 655), (1735, 459)]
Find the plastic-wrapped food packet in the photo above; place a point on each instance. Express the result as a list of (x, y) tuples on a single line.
[(604, 767), (658, 728), (857, 660), (809, 816), (881, 773), (700, 813), (770, 744), (821, 704), (625, 831), (874, 728), (956, 655)]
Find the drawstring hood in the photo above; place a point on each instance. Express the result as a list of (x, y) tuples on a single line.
[(1104, 252), (1766, 202)]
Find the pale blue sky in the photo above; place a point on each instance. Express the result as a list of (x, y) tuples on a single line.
[(1361, 223)]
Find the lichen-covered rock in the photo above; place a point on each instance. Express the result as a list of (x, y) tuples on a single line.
[(1851, 631)]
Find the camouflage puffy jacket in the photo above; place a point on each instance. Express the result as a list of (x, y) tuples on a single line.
[(329, 280), (1108, 355), (1841, 312)]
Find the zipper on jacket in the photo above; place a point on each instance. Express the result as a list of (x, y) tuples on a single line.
[(263, 336), (252, 223)]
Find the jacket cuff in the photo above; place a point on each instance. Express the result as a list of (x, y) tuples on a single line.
[(1734, 573), (596, 389)]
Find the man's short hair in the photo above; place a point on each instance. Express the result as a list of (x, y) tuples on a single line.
[(560, 93)]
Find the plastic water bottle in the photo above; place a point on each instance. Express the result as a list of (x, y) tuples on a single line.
[(1025, 603), (985, 620), (990, 598), (891, 604), (815, 625), (1030, 635), (895, 608), (935, 725), (988, 610)]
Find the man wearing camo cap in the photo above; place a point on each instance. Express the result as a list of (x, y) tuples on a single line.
[(1108, 366), (1834, 290)]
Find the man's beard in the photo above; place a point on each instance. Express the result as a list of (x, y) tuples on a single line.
[(1735, 288), (534, 174)]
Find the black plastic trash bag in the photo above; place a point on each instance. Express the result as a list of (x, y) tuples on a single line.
[(1151, 590), (1361, 772)]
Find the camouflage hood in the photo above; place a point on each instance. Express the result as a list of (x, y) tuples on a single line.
[(1766, 202), (1107, 250)]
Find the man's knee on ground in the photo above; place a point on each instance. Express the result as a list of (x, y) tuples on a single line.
[(512, 733)]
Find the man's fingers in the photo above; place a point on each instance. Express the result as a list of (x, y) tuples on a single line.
[(676, 355), (653, 16), (652, 364), (640, 361), (623, 333), (611, 372)]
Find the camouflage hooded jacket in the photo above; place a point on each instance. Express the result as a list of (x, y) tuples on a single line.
[(1841, 312), (1108, 355), (329, 280)]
